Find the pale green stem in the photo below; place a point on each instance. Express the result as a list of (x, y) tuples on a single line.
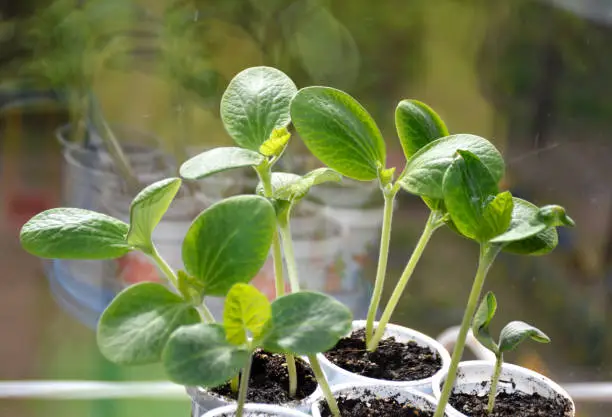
[(244, 385), (383, 255), (287, 241), (433, 223), (322, 380), (205, 313), (494, 382), (165, 268), (487, 256), (277, 258)]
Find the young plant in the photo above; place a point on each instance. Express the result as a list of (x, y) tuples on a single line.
[(510, 337), (496, 221), (255, 113), (341, 134), (210, 354), (226, 244)]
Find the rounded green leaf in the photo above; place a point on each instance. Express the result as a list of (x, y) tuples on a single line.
[(245, 313), (255, 103), (516, 332), (218, 160), (482, 319), (306, 323), (200, 355), (425, 170), (136, 325), (527, 234), (229, 242), (417, 125), (147, 209), (339, 132), (468, 188), (72, 233)]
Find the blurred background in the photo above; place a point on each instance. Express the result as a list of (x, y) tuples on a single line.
[(99, 96)]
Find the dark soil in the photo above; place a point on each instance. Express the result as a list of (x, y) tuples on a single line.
[(375, 407), (269, 381), (394, 361), (516, 404)]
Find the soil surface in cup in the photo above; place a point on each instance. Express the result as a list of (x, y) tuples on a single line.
[(515, 404), (393, 360), (269, 381), (374, 407)]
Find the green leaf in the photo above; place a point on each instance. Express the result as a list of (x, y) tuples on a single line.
[(72, 233), (276, 144), (190, 288), (229, 242), (200, 355), (279, 180), (468, 188), (136, 325), (425, 170), (255, 103), (417, 125), (306, 323), (218, 160), (496, 216), (527, 234), (246, 310), (554, 216), (147, 209), (516, 332), (339, 132), (292, 187), (482, 319)]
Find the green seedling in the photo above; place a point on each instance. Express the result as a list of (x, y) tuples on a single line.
[(340, 133), (210, 354), (255, 113), (496, 221), (510, 337), (226, 244)]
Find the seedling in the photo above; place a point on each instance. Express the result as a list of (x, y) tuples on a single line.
[(510, 337), (226, 244), (303, 323), (497, 221), (255, 113)]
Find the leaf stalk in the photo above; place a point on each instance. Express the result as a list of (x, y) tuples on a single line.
[(494, 382), (327, 392)]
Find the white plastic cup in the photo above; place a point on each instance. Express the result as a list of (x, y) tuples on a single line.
[(337, 375), (251, 409), (367, 391), (475, 377)]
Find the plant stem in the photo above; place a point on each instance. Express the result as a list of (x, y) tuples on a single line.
[(244, 385), (487, 256), (383, 255), (234, 383), (277, 258), (433, 223), (322, 380), (205, 313), (287, 241), (163, 265), (494, 382)]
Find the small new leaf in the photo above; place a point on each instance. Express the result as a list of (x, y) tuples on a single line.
[(200, 355), (136, 325), (417, 125), (425, 170), (298, 189), (147, 209), (306, 323), (496, 216), (276, 143), (516, 332), (218, 160), (339, 132), (72, 233), (245, 313), (229, 242), (468, 188), (190, 288), (482, 319), (554, 216), (255, 103)]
